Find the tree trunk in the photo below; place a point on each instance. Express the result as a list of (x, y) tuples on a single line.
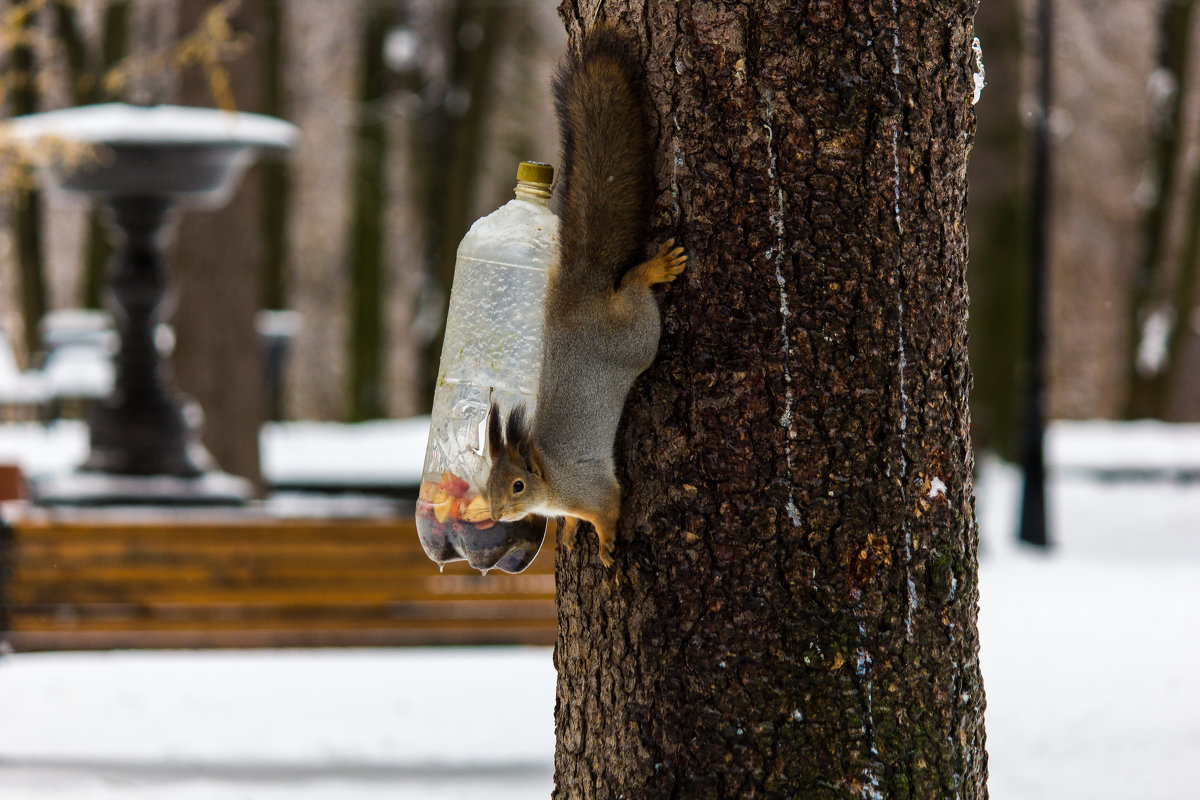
[(218, 264), (321, 68), (998, 217), (367, 256), (1100, 120), (87, 85), (27, 213), (453, 136), (792, 612)]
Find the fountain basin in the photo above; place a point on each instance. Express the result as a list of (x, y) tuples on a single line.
[(194, 156)]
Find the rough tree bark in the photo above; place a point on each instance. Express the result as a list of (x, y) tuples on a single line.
[(793, 608)]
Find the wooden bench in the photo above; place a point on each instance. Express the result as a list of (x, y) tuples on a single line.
[(207, 581)]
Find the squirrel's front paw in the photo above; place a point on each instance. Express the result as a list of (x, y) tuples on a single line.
[(670, 261), (663, 267)]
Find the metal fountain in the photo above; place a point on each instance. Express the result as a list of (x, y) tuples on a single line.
[(150, 164)]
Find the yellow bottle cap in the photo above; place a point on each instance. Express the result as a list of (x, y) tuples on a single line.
[(535, 172)]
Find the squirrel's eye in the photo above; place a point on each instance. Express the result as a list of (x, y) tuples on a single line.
[(518, 487)]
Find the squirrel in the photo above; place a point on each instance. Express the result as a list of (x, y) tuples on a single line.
[(602, 322)]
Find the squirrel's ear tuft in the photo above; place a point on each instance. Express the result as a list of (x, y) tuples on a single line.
[(517, 433), (517, 429), (495, 434)]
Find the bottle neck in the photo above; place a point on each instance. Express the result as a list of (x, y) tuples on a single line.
[(533, 192)]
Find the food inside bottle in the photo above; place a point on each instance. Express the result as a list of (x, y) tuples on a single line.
[(454, 523), (453, 499)]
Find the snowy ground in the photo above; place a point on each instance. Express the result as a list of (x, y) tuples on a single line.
[(1090, 653), (1089, 658), (302, 725)]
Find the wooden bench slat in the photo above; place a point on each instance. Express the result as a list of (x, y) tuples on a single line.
[(126, 540), (118, 615), (343, 588), (257, 583), (202, 639), (121, 553), (150, 594), (284, 571), (175, 526)]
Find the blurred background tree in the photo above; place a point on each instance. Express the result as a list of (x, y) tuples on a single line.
[(1123, 333), (997, 220), (1165, 357)]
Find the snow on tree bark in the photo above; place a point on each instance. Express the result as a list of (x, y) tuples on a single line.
[(793, 608)]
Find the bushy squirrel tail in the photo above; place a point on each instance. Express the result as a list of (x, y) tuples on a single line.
[(606, 162)]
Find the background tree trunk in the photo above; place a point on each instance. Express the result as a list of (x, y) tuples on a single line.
[(86, 85), (793, 608), (368, 256), (323, 63), (1165, 353), (998, 217), (218, 262), (1100, 117), (27, 203)]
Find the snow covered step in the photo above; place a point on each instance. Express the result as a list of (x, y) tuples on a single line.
[(1143, 448)]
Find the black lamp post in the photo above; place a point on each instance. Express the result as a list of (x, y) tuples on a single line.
[(1033, 457), (152, 162)]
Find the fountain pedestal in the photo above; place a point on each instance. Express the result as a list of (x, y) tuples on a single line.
[(153, 162)]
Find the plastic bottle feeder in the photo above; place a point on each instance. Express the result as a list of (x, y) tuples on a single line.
[(491, 356)]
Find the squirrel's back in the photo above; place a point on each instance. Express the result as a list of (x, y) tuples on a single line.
[(606, 165), (601, 317)]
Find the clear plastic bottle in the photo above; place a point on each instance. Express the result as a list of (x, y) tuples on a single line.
[(492, 353)]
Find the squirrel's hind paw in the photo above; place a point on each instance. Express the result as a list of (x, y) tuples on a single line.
[(606, 554), (608, 546), (566, 531)]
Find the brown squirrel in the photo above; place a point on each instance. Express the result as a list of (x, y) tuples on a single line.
[(601, 318)]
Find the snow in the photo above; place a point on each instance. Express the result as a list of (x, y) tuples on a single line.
[(979, 77), (298, 724), (1152, 348), (1089, 652), (118, 123), (42, 449), (1088, 655), (778, 254), (1146, 446), (383, 453), (79, 370)]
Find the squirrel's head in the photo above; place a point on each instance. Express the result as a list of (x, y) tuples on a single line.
[(516, 485)]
